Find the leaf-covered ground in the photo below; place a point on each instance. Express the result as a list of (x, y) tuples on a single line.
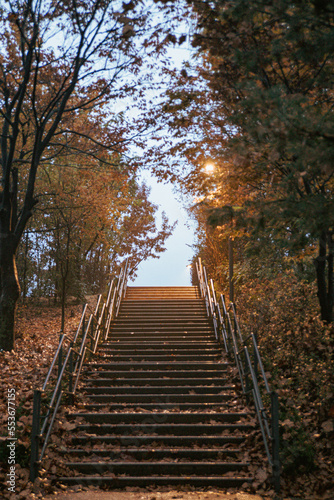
[(298, 353), (22, 371), (308, 472)]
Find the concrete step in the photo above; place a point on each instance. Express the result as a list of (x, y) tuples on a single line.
[(147, 329), (172, 417), (156, 441), (174, 344), (157, 468), (160, 348), (163, 319), (161, 365), (163, 315), (157, 454), (157, 389), (144, 357), (151, 408), (154, 306), (136, 339), (159, 397), (150, 426), (158, 373), (165, 382), (120, 482), (146, 292), (186, 390)]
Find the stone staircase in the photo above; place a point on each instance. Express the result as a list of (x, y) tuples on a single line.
[(161, 408)]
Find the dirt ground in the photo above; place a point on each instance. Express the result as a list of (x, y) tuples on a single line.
[(145, 495)]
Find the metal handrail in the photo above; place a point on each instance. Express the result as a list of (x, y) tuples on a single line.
[(90, 330), (228, 333)]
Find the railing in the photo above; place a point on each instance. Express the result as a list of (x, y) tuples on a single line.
[(68, 362), (249, 364)]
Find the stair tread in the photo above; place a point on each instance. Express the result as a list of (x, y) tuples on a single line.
[(200, 414), (217, 466), (163, 451), (163, 463), (165, 480), (150, 407), (169, 427), (161, 363), (227, 438)]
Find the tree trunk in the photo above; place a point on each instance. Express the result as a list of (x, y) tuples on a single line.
[(324, 266), (9, 292)]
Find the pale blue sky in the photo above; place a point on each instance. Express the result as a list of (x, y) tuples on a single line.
[(171, 268)]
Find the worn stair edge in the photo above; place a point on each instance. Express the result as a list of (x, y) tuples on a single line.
[(169, 382), (174, 364), (170, 440), (163, 468), (155, 453), (143, 373), (158, 398), (151, 425), (119, 482), (150, 407), (179, 389), (161, 417)]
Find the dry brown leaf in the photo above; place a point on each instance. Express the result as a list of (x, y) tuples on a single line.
[(328, 426)]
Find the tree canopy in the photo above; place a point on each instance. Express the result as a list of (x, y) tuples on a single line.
[(257, 102), (64, 66)]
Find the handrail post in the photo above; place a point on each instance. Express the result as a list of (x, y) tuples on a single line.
[(60, 357), (91, 337), (275, 440), (35, 435), (256, 361), (83, 322), (230, 269), (247, 375), (70, 380), (227, 326), (104, 322)]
